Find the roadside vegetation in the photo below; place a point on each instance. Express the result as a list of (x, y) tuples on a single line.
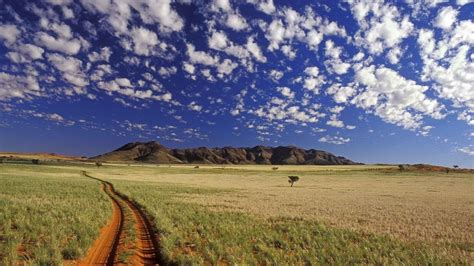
[(48, 214)]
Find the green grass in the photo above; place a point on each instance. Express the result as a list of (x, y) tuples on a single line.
[(193, 234), (47, 214)]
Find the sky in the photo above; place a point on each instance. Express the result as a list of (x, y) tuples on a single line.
[(375, 81)]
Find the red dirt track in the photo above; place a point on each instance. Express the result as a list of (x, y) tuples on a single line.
[(105, 249)]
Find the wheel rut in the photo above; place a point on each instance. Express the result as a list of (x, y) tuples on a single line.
[(106, 249)]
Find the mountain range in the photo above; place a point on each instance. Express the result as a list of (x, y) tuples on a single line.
[(154, 152)]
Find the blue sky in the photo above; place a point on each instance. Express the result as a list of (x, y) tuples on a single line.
[(376, 81)]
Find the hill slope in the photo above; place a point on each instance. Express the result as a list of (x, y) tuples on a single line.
[(153, 152)]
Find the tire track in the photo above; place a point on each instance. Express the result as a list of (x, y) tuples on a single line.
[(105, 249)]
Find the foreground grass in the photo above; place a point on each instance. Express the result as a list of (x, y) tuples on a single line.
[(191, 233), (48, 214)]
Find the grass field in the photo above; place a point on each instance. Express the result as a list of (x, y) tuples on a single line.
[(250, 215), (48, 214)]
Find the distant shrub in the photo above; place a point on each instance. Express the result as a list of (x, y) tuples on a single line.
[(35, 161), (292, 179), (98, 164), (196, 167), (274, 168), (401, 167), (455, 166), (1, 160)]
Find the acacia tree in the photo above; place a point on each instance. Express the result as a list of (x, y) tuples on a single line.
[(455, 166), (292, 179)]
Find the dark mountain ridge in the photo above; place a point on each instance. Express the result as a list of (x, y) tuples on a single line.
[(154, 152)]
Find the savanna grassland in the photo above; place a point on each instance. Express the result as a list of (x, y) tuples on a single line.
[(250, 214), (48, 214), (346, 214)]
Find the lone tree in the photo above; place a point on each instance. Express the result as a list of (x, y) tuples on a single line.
[(274, 168), (98, 164), (401, 167), (35, 161), (455, 166), (292, 179)]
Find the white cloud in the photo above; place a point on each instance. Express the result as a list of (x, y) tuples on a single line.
[(9, 33), (59, 2), (150, 11), (314, 38), (200, 57), (167, 71), (341, 94), (123, 82), (276, 75), (335, 122), (467, 150), (71, 69), (222, 4), (104, 55), (188, 67), (395, 99), (236, 22), (219, 41), (285, 91), (314, 81), (161, 11), (385, 29), (26, 53), (70, 47), (312, 71), (334, 140), (275, 34), (266, 6), (194, 107), (254, 50), (15, 86), (123, 87), (226, 67), (394, 55), (449, 64), (446, 18), (464, 2), (144, 41), (68, 13)]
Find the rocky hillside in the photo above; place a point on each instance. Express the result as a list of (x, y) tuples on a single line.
[(153, 152)]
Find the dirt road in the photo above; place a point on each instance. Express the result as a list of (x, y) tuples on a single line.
[(106, 249)]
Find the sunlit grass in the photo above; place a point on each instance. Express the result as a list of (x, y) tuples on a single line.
[(47, 214), (191, 233)]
